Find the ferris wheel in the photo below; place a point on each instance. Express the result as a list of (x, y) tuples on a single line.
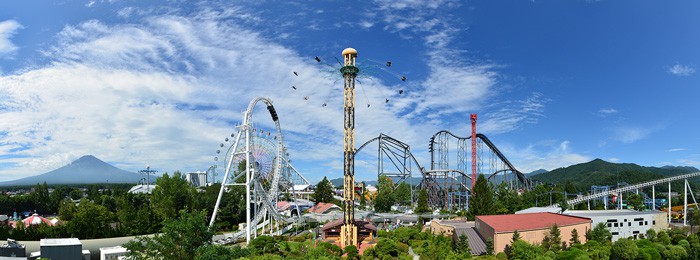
[(258, 161), (263, 153)]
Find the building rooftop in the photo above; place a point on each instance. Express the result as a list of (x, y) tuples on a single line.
[(60, 242), (322, 207), (112, 250), (539, 209), (604, 213), (335, 224), (529, 221)]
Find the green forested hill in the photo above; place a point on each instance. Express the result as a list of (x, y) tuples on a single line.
[(599, 172)]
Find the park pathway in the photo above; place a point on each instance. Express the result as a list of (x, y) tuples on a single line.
[(410, 251)]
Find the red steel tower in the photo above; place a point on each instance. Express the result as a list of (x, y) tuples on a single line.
[(473, 119)]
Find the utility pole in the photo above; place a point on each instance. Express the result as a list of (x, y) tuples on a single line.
[(348, 232)]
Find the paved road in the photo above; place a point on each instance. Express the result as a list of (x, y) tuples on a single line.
[(410, 251)]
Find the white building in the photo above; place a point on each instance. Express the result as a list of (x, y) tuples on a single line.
[(142, 188), (624, 223), (197, 179), (112, 253)]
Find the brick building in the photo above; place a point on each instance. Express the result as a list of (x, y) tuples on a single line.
[(532, 227)]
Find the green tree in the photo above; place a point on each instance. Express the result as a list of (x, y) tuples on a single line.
[(171, 195), (601, 234), (384, 200), (516, 237), (90, 221), (651, 235), (624, 249), (663, 238), (264, 245), (67, 209), (481, 202), (552, 240), (422, 204), (323, 192), (135, 216), (179, 238), (75, 194), (694, 220), (386, 248), (636, 201), (462, 245), (352, 253), (215, 252), (40, 197), (574, 237), (363, 199), (489, 246), (675, 253), (402, 194), (523, 250)]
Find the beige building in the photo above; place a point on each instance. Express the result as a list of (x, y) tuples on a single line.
[(532, 227)]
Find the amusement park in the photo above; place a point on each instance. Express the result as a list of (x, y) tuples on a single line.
[(379, 129), (441, 196)]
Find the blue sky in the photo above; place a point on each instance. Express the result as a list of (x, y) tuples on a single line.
[(554, 82)]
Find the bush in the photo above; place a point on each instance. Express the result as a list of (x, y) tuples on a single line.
[(675, 253), (403, 248), (624, 249), (351, 252), (386, 247)]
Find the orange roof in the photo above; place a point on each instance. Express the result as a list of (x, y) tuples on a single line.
[(321, 207), (530, 221)]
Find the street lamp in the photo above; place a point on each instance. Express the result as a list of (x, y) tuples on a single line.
[(148, 173)]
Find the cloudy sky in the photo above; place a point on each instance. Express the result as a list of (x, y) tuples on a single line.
[(554, 82)]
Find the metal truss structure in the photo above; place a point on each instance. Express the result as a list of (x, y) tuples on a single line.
[(259, 162), (449, 182), (394, 160)]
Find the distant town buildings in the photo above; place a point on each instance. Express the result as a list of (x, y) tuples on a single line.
[(197, 179)]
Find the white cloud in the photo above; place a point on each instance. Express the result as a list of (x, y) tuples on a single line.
[(7, 30), (676, 149), (607, 111), (547, 155), (511, 115), (614, 159), (632, 134), (681, 70), (166, 92), (366, 24)]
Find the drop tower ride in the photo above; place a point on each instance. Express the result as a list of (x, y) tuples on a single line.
[(348, 232)]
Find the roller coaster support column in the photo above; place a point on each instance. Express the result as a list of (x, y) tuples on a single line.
[(348, 232), (668, 205), (472, 117), (653, 197), (685, 201)]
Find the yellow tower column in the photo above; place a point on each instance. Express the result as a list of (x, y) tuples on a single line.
[(348, 232)]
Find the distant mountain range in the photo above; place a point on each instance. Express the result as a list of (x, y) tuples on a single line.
[(536, 172), (596, 172), (599, 172), (85, 170)]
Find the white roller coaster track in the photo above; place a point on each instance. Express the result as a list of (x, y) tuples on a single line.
[(628, 188)]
